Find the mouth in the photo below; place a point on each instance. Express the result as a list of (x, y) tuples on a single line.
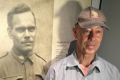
[(90, 45), (27, 43)]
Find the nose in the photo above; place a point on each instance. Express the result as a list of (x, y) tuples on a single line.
[(27, 34), (91, 36)]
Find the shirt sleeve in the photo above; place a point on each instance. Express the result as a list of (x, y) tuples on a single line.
[(117, 75), (50, 74)]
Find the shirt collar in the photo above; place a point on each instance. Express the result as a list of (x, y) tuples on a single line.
[(97, 63), (72, 62), (21, 58)]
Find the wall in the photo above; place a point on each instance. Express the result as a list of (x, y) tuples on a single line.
[(64, 18), (110, 48)]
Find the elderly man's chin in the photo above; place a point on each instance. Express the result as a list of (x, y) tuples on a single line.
[(91, 51)]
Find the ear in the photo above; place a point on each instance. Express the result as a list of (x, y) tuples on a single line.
[(9, 30), (74, 33)]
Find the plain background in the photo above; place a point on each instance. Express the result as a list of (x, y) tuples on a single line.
[(110, 48)]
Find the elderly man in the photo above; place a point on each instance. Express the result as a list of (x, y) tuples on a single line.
[(21, 63), (84, 63)]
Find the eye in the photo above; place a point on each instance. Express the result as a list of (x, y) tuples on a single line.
[(87, 32), (99, 31), (31, 29), (20, 29)]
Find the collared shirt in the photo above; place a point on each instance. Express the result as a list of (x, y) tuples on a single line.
[(14, 67), (70, 69)]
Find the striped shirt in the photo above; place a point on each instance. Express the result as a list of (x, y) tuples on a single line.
[(70, 69)]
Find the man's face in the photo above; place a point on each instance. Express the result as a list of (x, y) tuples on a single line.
[(89, 39), (23, 31)]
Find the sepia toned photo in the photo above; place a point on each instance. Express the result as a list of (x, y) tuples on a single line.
[(26, 28)]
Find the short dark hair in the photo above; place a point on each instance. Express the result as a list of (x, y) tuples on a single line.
[(20, 8)]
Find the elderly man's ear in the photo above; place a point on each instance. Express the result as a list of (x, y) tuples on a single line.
[(74, 33)]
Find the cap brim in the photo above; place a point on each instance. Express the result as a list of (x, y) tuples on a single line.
[(89, 24)]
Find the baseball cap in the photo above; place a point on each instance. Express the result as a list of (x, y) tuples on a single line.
[(91, 16)]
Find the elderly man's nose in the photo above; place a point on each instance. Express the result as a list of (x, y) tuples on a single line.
[(91, 35)]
